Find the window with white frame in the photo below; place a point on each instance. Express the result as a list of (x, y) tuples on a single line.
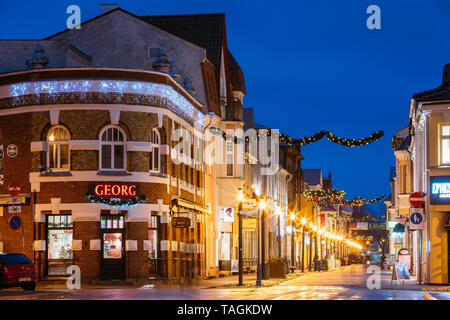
[(112, 149), (445, 144), (154, 157), (58, 149)]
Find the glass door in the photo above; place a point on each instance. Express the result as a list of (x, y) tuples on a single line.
[(112, 264)]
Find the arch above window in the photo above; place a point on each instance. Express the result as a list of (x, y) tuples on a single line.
[(112, 149)]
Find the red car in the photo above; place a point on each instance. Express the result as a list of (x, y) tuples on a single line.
[(16, 270)]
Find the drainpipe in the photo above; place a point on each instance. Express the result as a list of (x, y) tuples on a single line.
[(211, 115)]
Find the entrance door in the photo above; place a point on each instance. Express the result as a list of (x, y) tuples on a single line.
[(112, 261)]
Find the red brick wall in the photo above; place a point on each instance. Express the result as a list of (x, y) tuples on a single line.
[(88, 260)]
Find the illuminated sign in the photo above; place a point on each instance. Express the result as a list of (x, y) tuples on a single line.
[(118, 190), (391, 224), (181, 222), (440, 190)]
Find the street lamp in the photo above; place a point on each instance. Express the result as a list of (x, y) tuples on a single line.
[(262, 206), (303, 222), (292, 217), (240, 198)]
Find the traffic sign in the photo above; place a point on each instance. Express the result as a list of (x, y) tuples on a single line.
[(416, 199), (416, 219), (14, 209), (15, 222), (12, 150), (14, 200), (14, 188), (228, 214)]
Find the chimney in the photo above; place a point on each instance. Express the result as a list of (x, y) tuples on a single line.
[(446, 74), (108, 6)]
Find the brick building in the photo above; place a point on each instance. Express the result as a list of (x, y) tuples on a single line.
[(90, 114)]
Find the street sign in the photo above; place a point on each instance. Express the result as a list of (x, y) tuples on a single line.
[(416, 219), (12, 150), (228, 214), (14, 188), (14, 200), (416, 199), (391, 224), (15, 222), (14, 209)]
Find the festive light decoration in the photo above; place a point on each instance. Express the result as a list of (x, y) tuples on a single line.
[(116, 203), (322, 195), (175, 101), (358, 201), (285, 139)]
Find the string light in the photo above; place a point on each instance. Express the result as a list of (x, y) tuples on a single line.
[(116, 203)]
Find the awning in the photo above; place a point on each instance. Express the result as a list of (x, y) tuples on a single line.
[(180, 202)]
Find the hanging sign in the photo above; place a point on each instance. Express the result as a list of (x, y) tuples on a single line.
[(12, 150), (416, 219), (181, 222), (228, 214)]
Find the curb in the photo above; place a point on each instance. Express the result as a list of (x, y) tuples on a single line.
[(38, 296), (437, 289), (428, 296)]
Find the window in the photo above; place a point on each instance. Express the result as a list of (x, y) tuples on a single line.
[(445, 144), (153, 237), (59, 242), (230, 157), (112, 149), (154, 157), (58, 149)]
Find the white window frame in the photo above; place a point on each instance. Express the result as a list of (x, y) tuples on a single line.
[(58, 149), (152, 149), (112, 144), (441, 142)]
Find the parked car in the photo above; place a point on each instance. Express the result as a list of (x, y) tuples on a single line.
[(16, 270)]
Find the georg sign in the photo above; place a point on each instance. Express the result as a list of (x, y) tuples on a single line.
[(118, 190)]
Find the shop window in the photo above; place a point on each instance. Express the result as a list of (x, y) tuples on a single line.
[(58, 149), (154, 157), (112, 149), (445, 144), (112, 222), (153, 237), (59, 243)]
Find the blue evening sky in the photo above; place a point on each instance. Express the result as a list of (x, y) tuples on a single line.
[(308, 65)]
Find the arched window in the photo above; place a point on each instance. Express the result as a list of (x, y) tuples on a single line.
[(58, 149), (112, 149), (154, 157)]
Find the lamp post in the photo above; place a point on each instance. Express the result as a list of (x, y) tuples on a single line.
[(240, 198), (262, 206), (315, 249), (303, 244), (292, 216)]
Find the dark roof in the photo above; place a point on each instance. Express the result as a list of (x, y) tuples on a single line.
[(236, 74), (440, 93), (248, 118), (312, 176), (205, 30)]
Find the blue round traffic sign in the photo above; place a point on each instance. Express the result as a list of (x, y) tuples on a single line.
[(416, 218), (15, 222)]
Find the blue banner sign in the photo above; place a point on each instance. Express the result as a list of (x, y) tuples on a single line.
[(440, 190)]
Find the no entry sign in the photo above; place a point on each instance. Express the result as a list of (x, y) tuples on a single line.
[(416, 199), (15, 222), (14, 188)]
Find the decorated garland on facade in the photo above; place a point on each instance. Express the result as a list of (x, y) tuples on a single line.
[(367, 218), (285, 139), (321, 195), (119, 203)]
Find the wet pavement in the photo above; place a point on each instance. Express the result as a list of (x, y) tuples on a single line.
[(348, 283)]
